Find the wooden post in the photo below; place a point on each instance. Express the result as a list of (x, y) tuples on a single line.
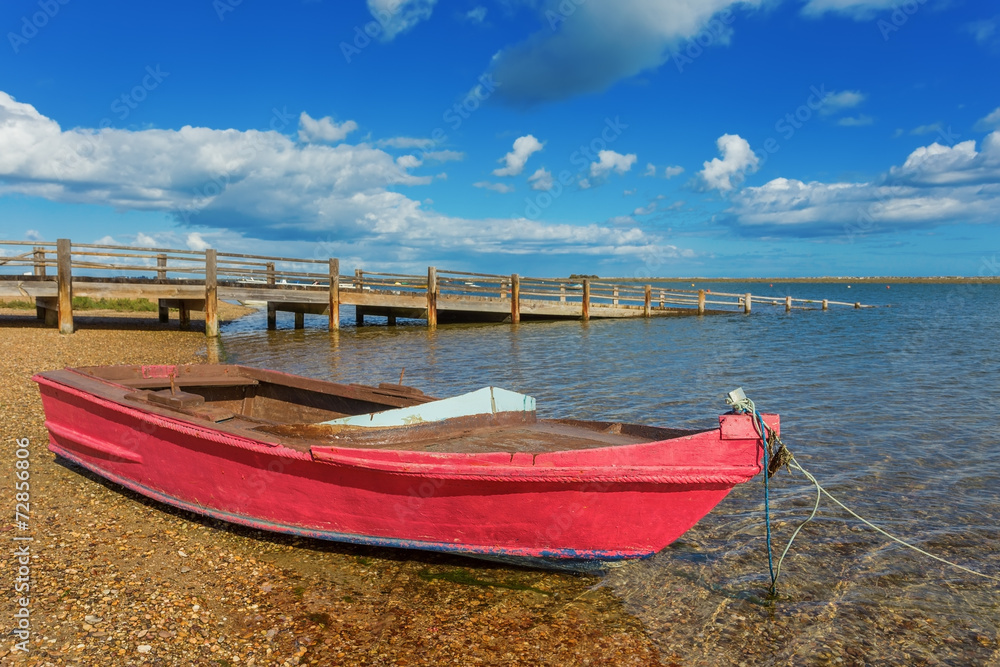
[(826, 304), (300, 320), (270, 274), (663, 299), (432, 315), (359, 316), (211, 294), (857, 304), (272, 316), (359, 279), (747, 298), (164, 312), (788, 304), (183, 315), (64, 280), (39, 256), (334, 293), (391, 320), (614, 296), (562, 294), (585, 301), (648, 300), (701, 302), (161, 266), (515, 298)]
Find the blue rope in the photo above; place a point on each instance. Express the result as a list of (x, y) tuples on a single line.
[(767, 499)]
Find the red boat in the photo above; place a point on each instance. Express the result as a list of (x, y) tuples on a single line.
[(477, 474)]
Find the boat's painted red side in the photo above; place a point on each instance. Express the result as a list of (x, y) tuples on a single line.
[(605, 504)]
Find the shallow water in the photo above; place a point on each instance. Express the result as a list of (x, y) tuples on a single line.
[(891, 408)]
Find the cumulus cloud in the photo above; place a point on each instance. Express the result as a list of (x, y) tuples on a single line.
[(515, 160), (990, 121), (408, 161), (936, 184), (323, 130), (230, 185), (398, 16), (541, 179), (672, 171), (596, 44), (650, 169), (502, 188), (837, 102), (608, 161), (647, 209), (737, 160)]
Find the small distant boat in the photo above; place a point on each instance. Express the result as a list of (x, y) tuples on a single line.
[(477, 474)]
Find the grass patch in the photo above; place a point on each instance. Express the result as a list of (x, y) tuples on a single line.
[(87, 303), (465, 579)]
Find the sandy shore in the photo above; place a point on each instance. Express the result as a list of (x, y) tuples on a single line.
[(120, 580)]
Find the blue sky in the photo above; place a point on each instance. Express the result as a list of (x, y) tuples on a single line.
[(628, 138)]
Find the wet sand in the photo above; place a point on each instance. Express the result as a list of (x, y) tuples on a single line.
[(121, 580)]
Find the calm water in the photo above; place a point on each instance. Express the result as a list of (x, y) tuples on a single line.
[(893, 409)]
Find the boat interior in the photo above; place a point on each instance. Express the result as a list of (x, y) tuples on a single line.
[(291, 410)]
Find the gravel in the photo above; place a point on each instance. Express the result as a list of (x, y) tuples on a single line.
[(118, 579)]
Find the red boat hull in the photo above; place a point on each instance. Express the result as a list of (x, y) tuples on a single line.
[(570, 506)]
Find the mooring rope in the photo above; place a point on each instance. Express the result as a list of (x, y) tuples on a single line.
[(781, 456)]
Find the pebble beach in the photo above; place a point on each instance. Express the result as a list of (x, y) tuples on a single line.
[(117, 579)]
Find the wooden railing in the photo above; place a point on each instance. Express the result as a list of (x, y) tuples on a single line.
[(61, 261)]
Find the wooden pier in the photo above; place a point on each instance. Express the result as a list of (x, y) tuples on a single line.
[(192, 280)]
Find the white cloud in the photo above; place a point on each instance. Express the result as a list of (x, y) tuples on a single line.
[(584, 184), (444, 156), (35, 235), (837, 102), (476, 14), (243, 190), (609, 161), (990, 121), (408, 161), (405, 142), (515, 160), (196, 241), (737, 160), (600, 43), (672, 171), (627, 193), (647, 209), (398, 16), (926, 129), (935, 185), (323, 130), (496, 187), (650, 169), (855, 121), (859, 10), (541, 179)]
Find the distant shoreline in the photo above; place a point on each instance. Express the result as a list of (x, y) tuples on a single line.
[(935, 280)]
